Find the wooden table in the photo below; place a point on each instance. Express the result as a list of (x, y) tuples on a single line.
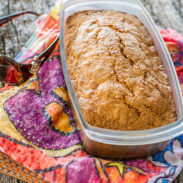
[(166, 13)]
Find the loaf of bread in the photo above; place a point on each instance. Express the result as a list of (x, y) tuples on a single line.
[(116, 73)]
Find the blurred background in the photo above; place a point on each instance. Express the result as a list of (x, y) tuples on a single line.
[(166, 13)]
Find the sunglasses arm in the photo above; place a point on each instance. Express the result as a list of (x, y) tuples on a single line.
[(6, 19), (25, 71)]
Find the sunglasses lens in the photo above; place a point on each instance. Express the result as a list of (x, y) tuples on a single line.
[(8, 73)]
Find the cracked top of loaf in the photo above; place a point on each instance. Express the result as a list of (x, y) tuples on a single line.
[(116, 73)]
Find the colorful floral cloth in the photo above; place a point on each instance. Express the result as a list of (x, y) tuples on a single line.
[(38, 129)]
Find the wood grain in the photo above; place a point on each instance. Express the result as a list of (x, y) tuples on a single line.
[(6, 179), (166, 13)]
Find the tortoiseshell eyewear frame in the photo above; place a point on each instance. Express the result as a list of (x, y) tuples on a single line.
[(14, 73)]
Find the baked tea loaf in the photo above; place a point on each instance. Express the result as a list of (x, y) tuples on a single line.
[(116, 73)]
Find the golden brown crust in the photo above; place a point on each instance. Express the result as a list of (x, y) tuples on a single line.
[(116, 73)]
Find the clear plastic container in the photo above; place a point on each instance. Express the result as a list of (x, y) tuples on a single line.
[(113, 143)]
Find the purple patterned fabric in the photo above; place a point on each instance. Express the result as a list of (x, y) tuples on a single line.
[(28, 116)]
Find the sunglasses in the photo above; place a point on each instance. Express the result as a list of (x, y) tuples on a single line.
[(14, 73)]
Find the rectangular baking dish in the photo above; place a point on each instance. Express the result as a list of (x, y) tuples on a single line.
[(113, 143)]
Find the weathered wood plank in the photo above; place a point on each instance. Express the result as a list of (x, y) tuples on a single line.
[(14, 35), (179, 179), (166, 13), (6, 179)]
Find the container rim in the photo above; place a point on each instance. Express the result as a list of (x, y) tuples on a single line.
[(116, 137)]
